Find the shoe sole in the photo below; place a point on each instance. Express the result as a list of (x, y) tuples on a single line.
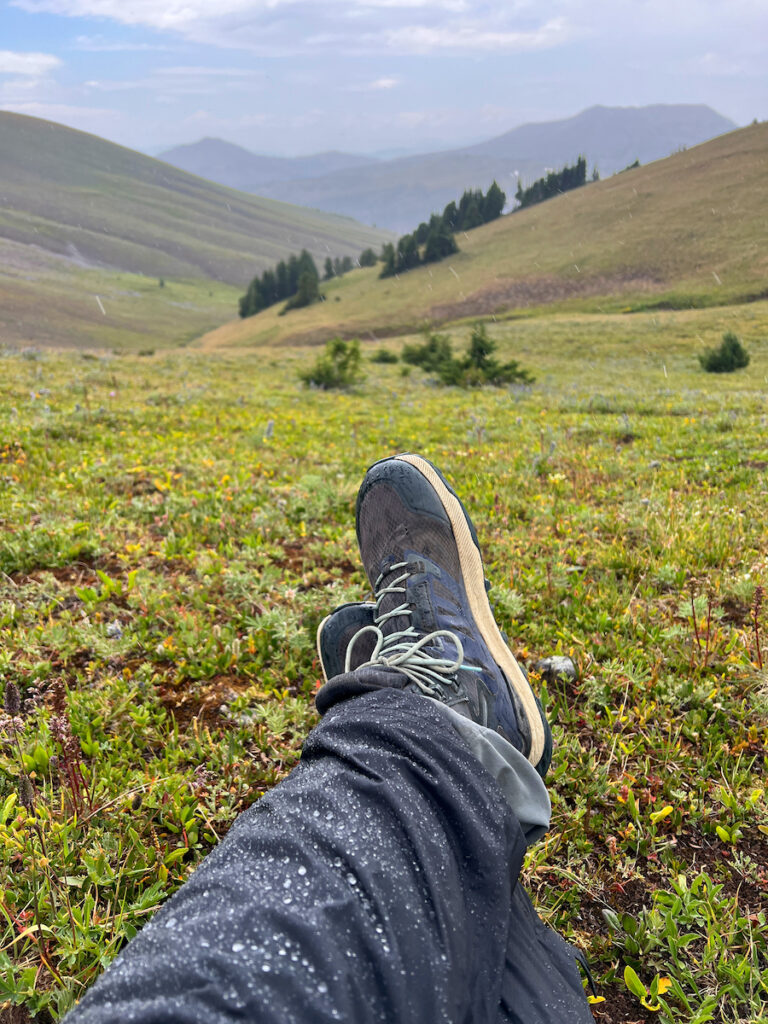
[(474, 583), (320, 629)]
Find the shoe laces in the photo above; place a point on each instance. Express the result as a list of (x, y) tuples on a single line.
[(405, 649)]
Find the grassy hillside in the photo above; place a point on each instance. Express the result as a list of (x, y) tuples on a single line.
[(78, 195), (51, 301), (165, 559), (689, 229)]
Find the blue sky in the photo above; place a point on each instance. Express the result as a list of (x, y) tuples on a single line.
[(291, 76)]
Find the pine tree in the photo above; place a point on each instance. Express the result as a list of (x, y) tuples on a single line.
[(440, 243), (493, 204), (388, 259)]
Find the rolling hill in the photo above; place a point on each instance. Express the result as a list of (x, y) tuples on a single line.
[(686, 230), (88, 229), (398, 194), (77, 195)]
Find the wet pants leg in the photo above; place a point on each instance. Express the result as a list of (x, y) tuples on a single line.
[(377, 883)]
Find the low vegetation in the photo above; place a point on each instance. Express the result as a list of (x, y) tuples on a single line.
[(477, 368), (169, 546), (730, 355), (337, 369)]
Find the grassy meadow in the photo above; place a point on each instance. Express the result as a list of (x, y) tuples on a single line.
[(47, 300), (175, 526)]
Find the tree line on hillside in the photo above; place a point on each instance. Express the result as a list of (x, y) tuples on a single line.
[(434, 239), (553, 184), (295, 279), (343, 264)]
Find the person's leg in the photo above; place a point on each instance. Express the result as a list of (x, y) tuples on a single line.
[(375, 884)]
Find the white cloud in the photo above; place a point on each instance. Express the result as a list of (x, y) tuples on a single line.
[(444, 5), (98, 44), (424, 39), (174, 14), (377, 85), (63, 112), (202, 71), (281, 27), (34, 64)]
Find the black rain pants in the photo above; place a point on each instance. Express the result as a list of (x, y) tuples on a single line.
[(377, 883)]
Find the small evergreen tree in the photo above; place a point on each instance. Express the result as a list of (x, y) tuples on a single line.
[(476, 368), (407, 253), (307, 292), (328, 272), (388, 259), (281, 277), (493, 204), (432, 355), (730, 355), (337, 369), (383, 355), (368, 258), (440, 243)]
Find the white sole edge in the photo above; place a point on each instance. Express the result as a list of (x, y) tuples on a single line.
[(474, 579), (317, 646)]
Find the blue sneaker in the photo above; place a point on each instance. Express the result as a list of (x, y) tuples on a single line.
[(432, 620)]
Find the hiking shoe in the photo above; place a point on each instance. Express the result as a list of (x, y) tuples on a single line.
[(432, 618), (335, 635)]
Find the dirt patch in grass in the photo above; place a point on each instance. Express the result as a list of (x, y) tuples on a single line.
[(17, 1015), (298, 559), (539, 291), (619, 1007), (202, 700), (735, 612)]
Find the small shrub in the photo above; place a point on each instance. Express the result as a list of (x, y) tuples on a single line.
[(337, 369), (383, 355), (434, 354), (730, 355), (476, 369)]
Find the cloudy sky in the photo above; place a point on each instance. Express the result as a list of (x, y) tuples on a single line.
[(298, 76)]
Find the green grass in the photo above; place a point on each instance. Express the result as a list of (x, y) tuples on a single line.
[(165, 558), (684, 231), (49, 301)]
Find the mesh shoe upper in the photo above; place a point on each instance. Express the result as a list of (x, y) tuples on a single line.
[(432, 618)]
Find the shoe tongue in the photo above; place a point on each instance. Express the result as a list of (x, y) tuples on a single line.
[(412, 591)]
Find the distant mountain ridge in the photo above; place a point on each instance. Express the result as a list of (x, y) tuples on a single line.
[(239, 168), (398, 193)]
